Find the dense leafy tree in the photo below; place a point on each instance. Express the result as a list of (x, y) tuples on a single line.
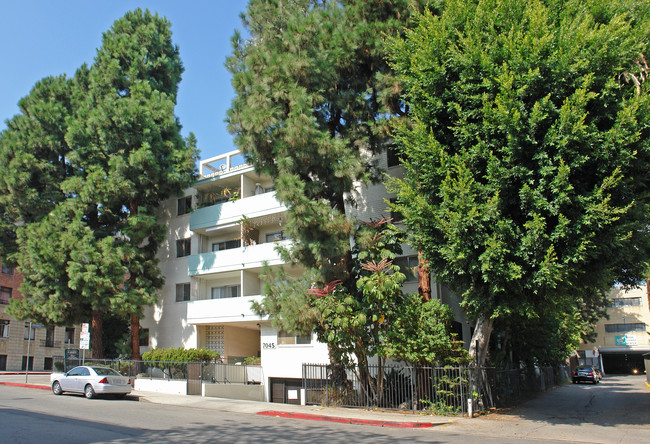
[(372, 322), (527, 154), (123, 146)]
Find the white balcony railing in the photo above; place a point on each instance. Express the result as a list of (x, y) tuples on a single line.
[(242, 258), (232, 212), (212, 311)]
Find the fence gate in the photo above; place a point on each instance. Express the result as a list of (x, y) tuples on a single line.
[(194, 378)]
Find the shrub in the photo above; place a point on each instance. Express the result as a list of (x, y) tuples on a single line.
[(180, 355)]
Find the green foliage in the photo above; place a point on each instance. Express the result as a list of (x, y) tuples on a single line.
[(84, 168), (527, 151), (313, 94), (179, 355), (253, 360)]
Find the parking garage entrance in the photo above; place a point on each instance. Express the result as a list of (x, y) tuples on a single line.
[(623, 361)]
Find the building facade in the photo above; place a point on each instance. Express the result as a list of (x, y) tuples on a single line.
[(220, 235), (39, 346), (623, 339)]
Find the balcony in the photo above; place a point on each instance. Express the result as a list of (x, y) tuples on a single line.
[(212, 311), (232, 212), (242, 258)]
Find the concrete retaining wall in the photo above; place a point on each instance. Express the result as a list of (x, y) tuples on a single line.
[(161, 386), (234, 391)]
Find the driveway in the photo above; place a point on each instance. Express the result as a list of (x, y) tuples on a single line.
[(615, 411)]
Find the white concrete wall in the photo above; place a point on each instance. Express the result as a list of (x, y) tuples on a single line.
[(167, 320), (286, 361)]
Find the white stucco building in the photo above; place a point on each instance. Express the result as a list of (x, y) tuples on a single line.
[(220, 235)]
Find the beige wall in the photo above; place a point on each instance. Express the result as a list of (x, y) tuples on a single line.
[(627, 314)]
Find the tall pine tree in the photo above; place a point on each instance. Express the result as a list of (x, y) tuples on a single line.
[(313, 94), (126, 154)]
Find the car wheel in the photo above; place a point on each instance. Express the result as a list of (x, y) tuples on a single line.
[(89, 392), (574, 381), (56, 388)]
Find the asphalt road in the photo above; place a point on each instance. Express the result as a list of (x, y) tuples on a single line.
[(615, 411)]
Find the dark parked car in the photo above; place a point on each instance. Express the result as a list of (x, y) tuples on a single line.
[(585, 373)]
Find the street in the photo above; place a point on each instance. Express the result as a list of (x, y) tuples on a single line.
[(617, 410)]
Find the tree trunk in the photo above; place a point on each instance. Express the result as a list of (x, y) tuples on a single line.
[(135, 337), (97, 345), (424, 278), (478, 348)]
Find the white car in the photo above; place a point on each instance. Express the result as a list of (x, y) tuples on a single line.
[(91, 381)]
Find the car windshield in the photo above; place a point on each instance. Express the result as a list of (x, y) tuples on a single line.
[(105, 371)]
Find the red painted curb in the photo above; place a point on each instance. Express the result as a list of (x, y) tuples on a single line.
[(33, 386), (339, 419)]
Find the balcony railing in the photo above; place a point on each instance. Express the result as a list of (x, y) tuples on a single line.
[(210, 311), (252, 256), (233, 211)]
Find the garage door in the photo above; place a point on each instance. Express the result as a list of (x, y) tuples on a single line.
[(286, 390)]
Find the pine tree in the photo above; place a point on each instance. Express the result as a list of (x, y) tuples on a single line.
[(313, 95), (127, 155)]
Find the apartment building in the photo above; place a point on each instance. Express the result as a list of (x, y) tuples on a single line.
[(623, 339), (220, 235), (20, 344)]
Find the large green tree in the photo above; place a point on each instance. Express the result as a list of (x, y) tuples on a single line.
[(527, 152), (313, 94), (124, 148)]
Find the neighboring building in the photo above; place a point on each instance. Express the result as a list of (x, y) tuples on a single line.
[(220, 235), (45, 344), (623, 339)]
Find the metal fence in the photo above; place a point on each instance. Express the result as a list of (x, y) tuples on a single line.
[(442, 390), (210, 372), (435, 389)]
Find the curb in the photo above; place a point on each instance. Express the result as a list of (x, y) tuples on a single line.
[(339, 419), (18, 384)]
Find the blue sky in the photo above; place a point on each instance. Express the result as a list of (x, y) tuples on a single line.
[(40, 38)]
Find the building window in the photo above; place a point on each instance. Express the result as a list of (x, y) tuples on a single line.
[(7, 270), (27, 332), (69, 335), (183, 247), (184, 205), (408, 265), (31, 363), (624, 302), (182, 292), (226, 245), (227, 291), (392, 156), (285, 338), (277, 236), (144, 337), (49, 337), (396, 216), (623, 328), (5, 295), (4, 328), (3, 362), (48, 363)]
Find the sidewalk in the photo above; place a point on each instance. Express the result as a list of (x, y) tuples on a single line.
[(380, 418)]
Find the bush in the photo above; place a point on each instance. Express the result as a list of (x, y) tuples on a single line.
[(180, 355), (253, 360)]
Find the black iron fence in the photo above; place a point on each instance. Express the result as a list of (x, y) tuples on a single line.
[(435, 389), (442, 390), (210, 372)]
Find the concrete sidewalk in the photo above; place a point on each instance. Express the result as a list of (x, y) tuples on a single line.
[(380, 418)]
